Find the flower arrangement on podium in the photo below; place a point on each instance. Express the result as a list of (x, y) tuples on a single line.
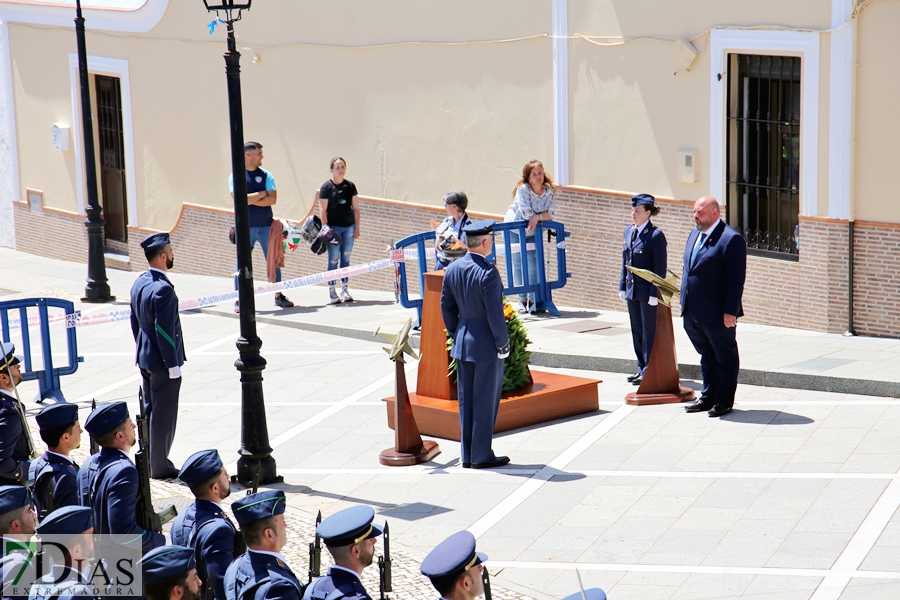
[(515, 368)]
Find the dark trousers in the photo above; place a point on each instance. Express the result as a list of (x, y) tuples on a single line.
[(719, 360), (479, 385), (161, 407), (643, 331)]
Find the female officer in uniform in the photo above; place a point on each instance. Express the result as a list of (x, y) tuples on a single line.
[(643, 247)]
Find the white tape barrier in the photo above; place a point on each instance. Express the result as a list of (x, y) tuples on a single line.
[(78, 319)]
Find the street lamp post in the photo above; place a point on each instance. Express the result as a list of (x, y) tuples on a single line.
[(97, 289), (255, 451)]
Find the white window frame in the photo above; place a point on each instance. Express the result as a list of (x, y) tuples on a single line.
[(775, 43), (112, 67)]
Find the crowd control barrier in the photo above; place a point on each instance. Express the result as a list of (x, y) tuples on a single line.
[(48, 377), (542, 288)]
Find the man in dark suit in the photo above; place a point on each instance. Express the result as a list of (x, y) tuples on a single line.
[(160, 350), (108, 480), (715, 266), (472, 307), (204, 525)]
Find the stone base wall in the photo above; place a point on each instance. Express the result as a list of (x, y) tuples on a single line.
[(809, 294)]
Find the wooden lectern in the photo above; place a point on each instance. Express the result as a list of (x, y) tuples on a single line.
[(661, 383)]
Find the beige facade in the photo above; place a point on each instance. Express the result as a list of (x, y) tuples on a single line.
[(422, 97)]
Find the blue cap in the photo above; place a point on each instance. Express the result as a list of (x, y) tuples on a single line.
[(641, 200), (260, 505), (167, 561), (9, 355), (483, 227), (349, 526), (13, 497), (57, 415), (155, 240), (200, 467), (590, 594), (453, 556), (105, 417), (67, 520)]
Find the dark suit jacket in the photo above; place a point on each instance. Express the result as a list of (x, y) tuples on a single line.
[(472, 307), (648, 252), (53, 473), (155, 323), (713, 287)]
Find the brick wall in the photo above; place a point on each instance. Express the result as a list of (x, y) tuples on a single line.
[(809, 294)]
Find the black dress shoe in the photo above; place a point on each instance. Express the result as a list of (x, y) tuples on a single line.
[(715, 411), (467, 465), (631, 378), (698, 406), (497, 462), (637, 380)]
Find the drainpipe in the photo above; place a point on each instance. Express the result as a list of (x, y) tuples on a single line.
[(854, 24)]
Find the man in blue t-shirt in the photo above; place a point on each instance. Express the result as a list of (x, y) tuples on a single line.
[(261, 196)]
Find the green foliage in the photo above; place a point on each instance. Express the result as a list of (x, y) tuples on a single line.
[(515, 367)]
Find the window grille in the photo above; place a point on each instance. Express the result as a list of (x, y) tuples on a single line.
[(763, 196)]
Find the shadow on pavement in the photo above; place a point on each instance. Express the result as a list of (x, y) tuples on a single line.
[(767, 417)]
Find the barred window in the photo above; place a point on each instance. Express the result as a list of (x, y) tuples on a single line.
[(763, 196)]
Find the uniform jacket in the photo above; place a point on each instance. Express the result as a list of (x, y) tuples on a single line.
[(204, 527), (13, 443), (71, 585), (10, 567), (51, 473), (472, 307), (108, 483), (261, 576), (337, 584), (155, 323), (713, 287), (648, 252)]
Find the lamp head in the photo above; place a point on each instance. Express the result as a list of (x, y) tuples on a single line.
[(228, 6)]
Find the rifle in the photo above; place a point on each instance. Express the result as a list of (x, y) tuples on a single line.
[(95, 447), (315, 552), (146, 515), (486, 580), (384, 566), (240, 544)]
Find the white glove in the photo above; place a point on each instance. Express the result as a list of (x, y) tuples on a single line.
[(652, 301), (502, 355), (622, 295), (174, 372)]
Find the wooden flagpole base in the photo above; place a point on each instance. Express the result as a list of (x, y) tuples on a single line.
[(391, 457), (661, 383)]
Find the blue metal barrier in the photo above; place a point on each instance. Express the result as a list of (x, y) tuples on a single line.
[(48, 377), (542, 289)]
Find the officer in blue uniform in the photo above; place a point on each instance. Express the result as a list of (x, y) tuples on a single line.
[(643, 247), (454, 567), (262, 572), (108, 481), (17, 522), (472, 307), (71, 528), (15, 452), (160, 350), (170, 573), (350, 536), (204, 525), (53, 476)]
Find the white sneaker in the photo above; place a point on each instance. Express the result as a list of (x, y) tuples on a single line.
[(332, 296), (345, 295)]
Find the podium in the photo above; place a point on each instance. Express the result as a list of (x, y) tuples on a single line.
[(661, 383), (549, 397)]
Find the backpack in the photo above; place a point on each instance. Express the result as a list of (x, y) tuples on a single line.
[(327, 237)]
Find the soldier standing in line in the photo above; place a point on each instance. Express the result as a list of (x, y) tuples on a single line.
[(71, 529), (53, 477), (455, 568), (170, 573), (17, 522), (15, 451)]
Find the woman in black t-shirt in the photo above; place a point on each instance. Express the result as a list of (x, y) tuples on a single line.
[(339, 210)]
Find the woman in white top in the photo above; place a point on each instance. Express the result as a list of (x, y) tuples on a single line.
[(533, 202)]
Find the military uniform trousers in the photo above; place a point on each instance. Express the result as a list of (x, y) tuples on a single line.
[(479, 385), (161, 407)]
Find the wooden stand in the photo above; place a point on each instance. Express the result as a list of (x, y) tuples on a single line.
[(433, 405), (409, 449), (661, 383)]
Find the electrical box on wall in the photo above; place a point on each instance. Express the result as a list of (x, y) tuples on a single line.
[(60, 132), (687, 170)]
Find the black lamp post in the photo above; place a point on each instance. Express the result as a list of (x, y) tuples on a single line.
[(255, 452), (97, 289)]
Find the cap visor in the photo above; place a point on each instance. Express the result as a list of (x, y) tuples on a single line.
[(482, 557), (376, 531)]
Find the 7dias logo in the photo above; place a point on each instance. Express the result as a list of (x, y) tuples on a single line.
[(71, 565)]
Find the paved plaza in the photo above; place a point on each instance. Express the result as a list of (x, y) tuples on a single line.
[(792, 496)]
